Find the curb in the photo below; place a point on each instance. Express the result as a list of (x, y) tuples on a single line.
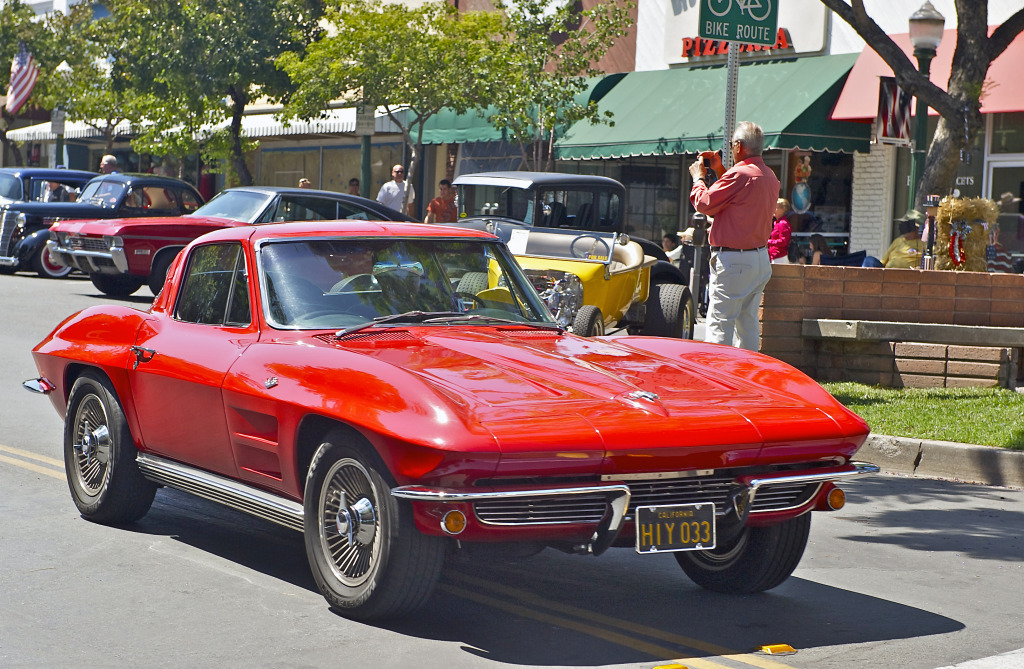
[(925, 458)]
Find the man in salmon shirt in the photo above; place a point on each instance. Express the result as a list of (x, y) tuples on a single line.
[(741, 202)]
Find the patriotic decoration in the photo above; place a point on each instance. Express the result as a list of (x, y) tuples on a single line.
[(893, 125), (24, 73)]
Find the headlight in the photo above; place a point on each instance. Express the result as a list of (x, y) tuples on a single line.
[(561, 291), (21, 220), (63, 238), (113, 242)]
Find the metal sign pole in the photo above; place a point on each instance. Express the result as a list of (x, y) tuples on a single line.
[(732, 82)]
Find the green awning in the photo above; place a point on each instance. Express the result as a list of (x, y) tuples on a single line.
[(679, 111), (447, 127)]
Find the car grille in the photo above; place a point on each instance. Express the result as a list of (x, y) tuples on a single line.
[(88, 244), (7, 223), (590, 509)]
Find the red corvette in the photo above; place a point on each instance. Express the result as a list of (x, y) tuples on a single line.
[(397, 391)]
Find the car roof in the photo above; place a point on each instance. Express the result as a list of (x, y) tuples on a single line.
[(531, 179), (366, 203), (130, 178), (48, 172), (345, 228)]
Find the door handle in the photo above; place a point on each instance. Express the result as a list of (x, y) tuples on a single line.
[(141, 354)]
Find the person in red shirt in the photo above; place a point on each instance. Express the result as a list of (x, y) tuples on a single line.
[(741, 202), (442, 208)]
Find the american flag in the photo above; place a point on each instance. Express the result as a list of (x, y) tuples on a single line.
[(23, 79), (893, 113)]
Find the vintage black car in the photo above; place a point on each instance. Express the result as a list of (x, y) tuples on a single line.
[(25, 226), (31, 184)]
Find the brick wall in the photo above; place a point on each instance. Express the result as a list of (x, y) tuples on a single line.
[(796, 292)]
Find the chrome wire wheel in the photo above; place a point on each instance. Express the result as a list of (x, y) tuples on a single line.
[(349, 523), (92, 445)]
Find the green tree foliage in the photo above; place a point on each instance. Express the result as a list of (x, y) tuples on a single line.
[(959, 106), (550, 50), (18, 23), (194, 65), (417, 60)]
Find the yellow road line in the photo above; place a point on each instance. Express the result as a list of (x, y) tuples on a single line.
[(653, 650), (32, 456), (662, 635), (31, 467)]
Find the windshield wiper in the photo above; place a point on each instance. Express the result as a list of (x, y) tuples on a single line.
[(495, 319), (414, 316), (442, 316)]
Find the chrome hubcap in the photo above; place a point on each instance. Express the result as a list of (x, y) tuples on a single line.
[(92, 444), (350, 532)]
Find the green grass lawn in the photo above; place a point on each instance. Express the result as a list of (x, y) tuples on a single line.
[(986, 416)]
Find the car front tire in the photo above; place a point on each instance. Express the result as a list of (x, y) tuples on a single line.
[(99, 455), (115, 285), (757, 559), (588, 322), (367, 557), (47, 267), (158, 272)]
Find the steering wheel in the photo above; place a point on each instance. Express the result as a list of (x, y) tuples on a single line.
[(355, 282), (578, 252)]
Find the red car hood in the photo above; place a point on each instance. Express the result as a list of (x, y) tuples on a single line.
[(629, 404), (113, 226)]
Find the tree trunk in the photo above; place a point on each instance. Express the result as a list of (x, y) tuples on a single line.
[(239, 100), (15, 150)]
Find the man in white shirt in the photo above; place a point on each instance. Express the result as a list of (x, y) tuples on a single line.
[(392, 194)]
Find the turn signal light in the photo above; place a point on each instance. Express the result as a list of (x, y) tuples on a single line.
[(836, 499), (453, 522)]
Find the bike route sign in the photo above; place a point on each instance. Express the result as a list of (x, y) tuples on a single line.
[(744, 21)]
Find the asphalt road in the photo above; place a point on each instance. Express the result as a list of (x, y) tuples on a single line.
[(913, 573)]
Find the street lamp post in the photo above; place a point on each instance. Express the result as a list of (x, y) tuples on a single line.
[(926, 26)]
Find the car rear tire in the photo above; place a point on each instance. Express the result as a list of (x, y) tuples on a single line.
[(115, 285), (158, 272), (367, 557), (588, 322), (47, 267), (99, 455), (757, 559), (670, 311)]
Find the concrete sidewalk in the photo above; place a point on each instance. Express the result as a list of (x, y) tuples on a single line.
[(945, 460)]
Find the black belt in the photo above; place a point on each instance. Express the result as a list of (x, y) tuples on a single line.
[(719, 249)]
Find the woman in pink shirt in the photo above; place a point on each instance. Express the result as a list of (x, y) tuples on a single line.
[(778, 243)]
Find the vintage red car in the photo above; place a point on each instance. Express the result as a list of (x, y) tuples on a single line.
[(398, 391)]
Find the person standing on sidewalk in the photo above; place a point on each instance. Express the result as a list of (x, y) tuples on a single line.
[(741, 202), (392, 194)]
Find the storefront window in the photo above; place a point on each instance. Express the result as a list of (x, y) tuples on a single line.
[(1008, 133), (819, 187)]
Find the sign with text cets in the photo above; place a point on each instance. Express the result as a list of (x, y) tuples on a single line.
[(745, 21)]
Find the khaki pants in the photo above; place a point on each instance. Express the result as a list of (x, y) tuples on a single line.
[(737, 282)]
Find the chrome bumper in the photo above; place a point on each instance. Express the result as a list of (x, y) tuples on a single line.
[(616, 499), (83, 260)]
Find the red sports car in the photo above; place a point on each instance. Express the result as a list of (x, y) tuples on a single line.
[(397, 391)]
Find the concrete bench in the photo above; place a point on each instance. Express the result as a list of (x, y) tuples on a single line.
[(926, 333), (925, 355)]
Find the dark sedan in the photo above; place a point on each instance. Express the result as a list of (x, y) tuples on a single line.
[(19, 185), (24, 226), (123, 254)]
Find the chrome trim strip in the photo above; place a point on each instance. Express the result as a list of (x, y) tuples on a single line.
[(616, 496), (658, 476), (234, 494)]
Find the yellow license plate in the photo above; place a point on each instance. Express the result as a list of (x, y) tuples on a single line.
[(678, 527)]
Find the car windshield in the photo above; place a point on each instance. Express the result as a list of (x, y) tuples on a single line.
[(104, 194), (502, 201), (10, 187), (238, 205), (578, 208), (345, 283)]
